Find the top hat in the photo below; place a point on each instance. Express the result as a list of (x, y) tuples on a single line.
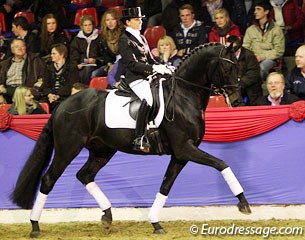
[(132, 13)]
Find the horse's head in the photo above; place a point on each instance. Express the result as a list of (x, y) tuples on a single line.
[(211, 68), (225, 77)]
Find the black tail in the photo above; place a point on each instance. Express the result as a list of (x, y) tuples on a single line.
[(30, 176)]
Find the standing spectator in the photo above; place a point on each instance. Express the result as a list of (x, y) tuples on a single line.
[(85, 49), (21, 29), (223, 28), (22, 69), (59, 77), (295, 79), (276, 95), (166, 52), (265, 38), (190, 33), (138, 64), (248, 72), (51, 34), (24, 103), (289, 17), (111, 30)]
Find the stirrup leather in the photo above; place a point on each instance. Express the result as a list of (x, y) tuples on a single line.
[(141, 144)]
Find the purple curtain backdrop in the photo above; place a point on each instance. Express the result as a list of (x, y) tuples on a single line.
[(270, 167)]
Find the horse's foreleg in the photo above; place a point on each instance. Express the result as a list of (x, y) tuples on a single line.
[(173, 170), (86, 176), (194, 154)]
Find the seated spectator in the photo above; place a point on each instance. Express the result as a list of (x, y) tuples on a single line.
[(21, 29), (265, 38), (170, 14), (24, 103), (208, 10), (248, 72), (295, 79), (111, 30), (77, 87), (3, 44), (166, 52), (22, 69), (289, 17), (85, 49), (190, 33), (59, 77), (223, 28), (276, 95), (8, 8), (51, 34)]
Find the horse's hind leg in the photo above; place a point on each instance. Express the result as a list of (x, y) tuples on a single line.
[(86, 176), (173, 170), (194, 154), (61, 160)]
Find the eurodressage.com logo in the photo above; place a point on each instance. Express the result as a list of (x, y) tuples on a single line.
[(265, 232)]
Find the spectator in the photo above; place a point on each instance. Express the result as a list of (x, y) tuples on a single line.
[(223, 28), (139, 64), (265, 38), (170, 14), (24, 103), (3, 44), (50, 34), (248, 72), (21, 69), (289, 17), (7, 7), (295, 79), (59, 77), (166, 52), (21, 29), (190, 33), (276, 95), (111, 30), (85, 49)]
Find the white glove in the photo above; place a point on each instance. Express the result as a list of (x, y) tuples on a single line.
[(162, 69)]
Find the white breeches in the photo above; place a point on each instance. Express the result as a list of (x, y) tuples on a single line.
[(141, 88)]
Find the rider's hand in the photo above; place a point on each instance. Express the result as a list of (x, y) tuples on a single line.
[(162, 69)]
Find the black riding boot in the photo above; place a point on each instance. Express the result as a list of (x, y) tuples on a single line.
[(141, 142)]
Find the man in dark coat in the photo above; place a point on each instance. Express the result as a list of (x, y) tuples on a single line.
[(248, 72), (276, 95)]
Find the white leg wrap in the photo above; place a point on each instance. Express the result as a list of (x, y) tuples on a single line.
[(38, 206), (232, 181), (98, 195), (155, 209)]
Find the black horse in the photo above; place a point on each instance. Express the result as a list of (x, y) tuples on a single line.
[(79, 122)]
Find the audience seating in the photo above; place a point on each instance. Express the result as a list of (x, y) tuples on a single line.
[(99, 83), (5, 107), (27, 14), (153, 34), (2, 21), (278, 67), (118, 8), (217, 101), (85, 11), (77, 4)]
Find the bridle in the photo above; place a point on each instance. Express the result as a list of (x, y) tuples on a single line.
[(211, 89)]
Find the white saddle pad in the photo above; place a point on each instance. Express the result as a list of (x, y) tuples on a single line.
[(117, 110)]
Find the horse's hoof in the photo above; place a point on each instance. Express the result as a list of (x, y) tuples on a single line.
[(244, 208), (159, 231), (106, 222), (35, 234)]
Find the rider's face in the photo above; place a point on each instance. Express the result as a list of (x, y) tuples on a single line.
[(135, 23)]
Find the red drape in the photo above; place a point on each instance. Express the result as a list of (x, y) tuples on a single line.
[(222, 124)]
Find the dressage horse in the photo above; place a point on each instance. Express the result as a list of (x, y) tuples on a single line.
[(79, 122)]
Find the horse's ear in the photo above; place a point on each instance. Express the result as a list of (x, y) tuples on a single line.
[(230, 47)]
